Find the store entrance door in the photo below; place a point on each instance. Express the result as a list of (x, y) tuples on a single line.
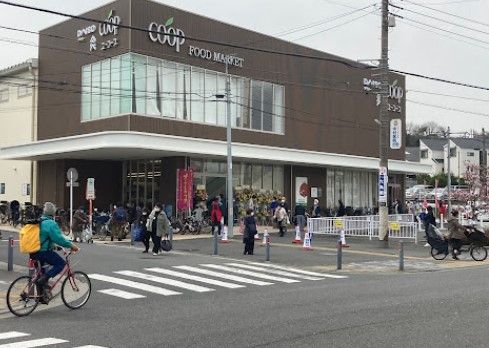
[(141, 181), (215, 185)]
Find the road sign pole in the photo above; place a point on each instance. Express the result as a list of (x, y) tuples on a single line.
[(71, 202)]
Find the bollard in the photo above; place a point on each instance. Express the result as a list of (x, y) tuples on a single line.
[(215, 240), (10, 266), (267, 248), (401, 256), (339, 258)]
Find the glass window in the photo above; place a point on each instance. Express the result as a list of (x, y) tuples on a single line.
[(470, 154), (221, 103), (243, 101), (182, 95), (256, 104), (2, 188), (126, 84), (24, 90), (235, 119), (212, 167), (140, 64), (278, 178), (237, 174), (4, 95), (115, 86), (211, 103), (247, 175), (257, 177), (348, 189), (267, 107), (96, 90), (198, 94), (424, 154), (168, 78), (268, 177), (338, 186), (105, 88), (197, 165), (86, 92), (278, 109), (153, 101), (330, 199), (356, 190)]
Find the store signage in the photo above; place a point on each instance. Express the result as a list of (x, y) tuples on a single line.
[(302, 190), (165, 34), (395, 92), (90, 192), (396, 134), (383, 182), (110, 26), (185, 184)]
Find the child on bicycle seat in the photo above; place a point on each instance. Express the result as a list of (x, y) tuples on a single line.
[(50, 236)]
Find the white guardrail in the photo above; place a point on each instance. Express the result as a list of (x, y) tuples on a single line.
[(402, 226)]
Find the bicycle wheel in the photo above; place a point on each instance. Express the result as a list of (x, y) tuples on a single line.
[(22, 296), (437, 255), (76, 290), (478, 253)]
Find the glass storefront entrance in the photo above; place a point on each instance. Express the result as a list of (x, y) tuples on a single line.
[(141, 181)]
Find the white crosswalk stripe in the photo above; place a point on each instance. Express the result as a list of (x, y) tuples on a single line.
[(89, 346), (12, 334), (34, 343), (297, 270), (166, 281), (223, 275), (251, 274), (135, 285), (120, 293), (273, 271), (195, 278)]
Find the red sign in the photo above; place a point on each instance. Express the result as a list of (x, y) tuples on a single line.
[(185, 185)]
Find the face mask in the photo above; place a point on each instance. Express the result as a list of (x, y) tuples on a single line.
[(252, 214)]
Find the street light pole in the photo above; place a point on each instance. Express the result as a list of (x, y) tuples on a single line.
[(384, 104), (229, 155), (449, 172)]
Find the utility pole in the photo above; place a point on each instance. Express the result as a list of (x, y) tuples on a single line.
[(483, 172), (229, 155), (383, 136), (449, 173)]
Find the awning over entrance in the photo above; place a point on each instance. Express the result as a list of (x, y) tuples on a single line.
[(133, 145)]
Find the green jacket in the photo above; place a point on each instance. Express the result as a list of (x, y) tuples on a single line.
[(51, 234)]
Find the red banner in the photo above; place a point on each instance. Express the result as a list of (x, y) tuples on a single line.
[(185, 185)]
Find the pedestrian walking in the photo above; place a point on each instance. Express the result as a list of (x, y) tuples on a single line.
[(249, 232), (143, 221), (80, 220), (159, 225), (316, 209), (118, 223), (281, 218), (216, 215), (300, 217)]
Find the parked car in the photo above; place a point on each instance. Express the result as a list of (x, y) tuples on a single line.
[(418, 192), (440, 193)]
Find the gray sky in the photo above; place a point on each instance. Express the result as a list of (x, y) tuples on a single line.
[(411, 49)]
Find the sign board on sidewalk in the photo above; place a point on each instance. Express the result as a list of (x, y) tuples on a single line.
[(75, 184), (394, 226), (383, 181), (90, 193), (302, 190), (338, 223)]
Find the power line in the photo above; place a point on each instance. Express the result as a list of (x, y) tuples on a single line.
[(468, 85), (214, 42), (449, 95), (447, 108)]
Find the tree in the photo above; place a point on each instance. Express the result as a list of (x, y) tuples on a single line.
[(476, 180), (416, 131)]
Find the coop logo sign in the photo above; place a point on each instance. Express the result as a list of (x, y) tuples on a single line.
[(166, 34), (110, 26)]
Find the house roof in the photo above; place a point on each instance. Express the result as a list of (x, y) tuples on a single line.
[(468, 143), (18, 68), (412, 154), (435, 144)]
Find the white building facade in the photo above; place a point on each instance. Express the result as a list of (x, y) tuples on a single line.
[(432, 153)]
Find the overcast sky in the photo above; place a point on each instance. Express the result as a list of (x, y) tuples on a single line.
[(445, 55)]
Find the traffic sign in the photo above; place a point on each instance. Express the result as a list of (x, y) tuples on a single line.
[(72, 174), (383, 181), (90, 192)]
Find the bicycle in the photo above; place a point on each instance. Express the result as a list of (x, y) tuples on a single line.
[(23, 295)]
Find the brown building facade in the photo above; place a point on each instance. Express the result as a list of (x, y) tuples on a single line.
[(129, 107)]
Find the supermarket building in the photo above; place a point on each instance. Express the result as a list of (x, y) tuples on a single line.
[(130, 107)]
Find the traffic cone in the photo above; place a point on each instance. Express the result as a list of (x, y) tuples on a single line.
[(224, 238), (265, 235), (343, 239), (307, 242), (297, 239)]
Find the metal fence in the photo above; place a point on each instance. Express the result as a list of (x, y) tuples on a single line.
[(400, 226)]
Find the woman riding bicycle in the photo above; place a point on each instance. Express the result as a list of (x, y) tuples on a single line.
[(50, 235), (456, 234)]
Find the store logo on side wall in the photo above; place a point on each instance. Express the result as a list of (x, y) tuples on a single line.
[(110, 26), (166, 34)]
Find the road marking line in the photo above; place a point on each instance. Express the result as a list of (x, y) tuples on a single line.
[(251, 274), (166, 281), (90, 346), (33, 343), (135, 285), (297, 270), (120, 293), (273, 271), (223, 275), (3, 282), (12, 334), (195, 278)]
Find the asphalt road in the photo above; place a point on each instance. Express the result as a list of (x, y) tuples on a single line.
[(441, 308)]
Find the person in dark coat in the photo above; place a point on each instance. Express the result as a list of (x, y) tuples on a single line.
[(429, 219), (341, 208), (249, 232)]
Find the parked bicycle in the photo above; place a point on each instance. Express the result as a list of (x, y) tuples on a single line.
[(24, 295)]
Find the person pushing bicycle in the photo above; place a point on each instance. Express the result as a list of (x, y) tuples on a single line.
[(50, 237)]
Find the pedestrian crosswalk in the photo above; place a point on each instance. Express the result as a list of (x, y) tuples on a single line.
[(23, 340), (202, 278)]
